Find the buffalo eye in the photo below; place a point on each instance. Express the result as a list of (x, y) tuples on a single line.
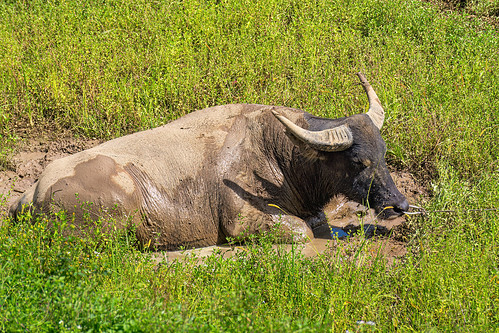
[(362, 162), (366, 162)]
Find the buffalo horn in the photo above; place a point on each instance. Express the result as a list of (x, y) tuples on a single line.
[(375, 112), (334, 139)]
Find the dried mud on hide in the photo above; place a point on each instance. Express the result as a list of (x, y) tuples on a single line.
[(31, 160), (342, 215)]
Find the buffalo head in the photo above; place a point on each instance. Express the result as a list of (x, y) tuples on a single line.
[(353, 147)]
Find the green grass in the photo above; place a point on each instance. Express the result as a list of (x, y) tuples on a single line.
[(109, 69), (487, 8), (101, 282), (104, 69)]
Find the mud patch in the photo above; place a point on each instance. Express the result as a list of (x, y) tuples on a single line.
[(29, 163), (357, 226)]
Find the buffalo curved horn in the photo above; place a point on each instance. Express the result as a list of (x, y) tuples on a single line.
[(375, 112), (330, 140)]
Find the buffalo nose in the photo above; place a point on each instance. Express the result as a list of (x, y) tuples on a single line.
[(402, 206)]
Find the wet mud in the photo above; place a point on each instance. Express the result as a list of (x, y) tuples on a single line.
[(29, 162)]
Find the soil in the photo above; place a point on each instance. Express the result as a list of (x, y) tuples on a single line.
[(31, 159), (347, 220)]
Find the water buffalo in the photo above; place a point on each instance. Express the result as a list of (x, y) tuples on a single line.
[(225, 171)]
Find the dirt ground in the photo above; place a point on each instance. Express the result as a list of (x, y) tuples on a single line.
[(344, 217), (31, 160)]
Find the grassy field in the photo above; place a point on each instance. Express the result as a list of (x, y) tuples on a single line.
[(105, 69)]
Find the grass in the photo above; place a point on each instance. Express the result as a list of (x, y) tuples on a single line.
[(484, 8), (101, 282), (108, 69)]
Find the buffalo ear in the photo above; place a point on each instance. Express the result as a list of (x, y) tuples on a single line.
[(305, 149)]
